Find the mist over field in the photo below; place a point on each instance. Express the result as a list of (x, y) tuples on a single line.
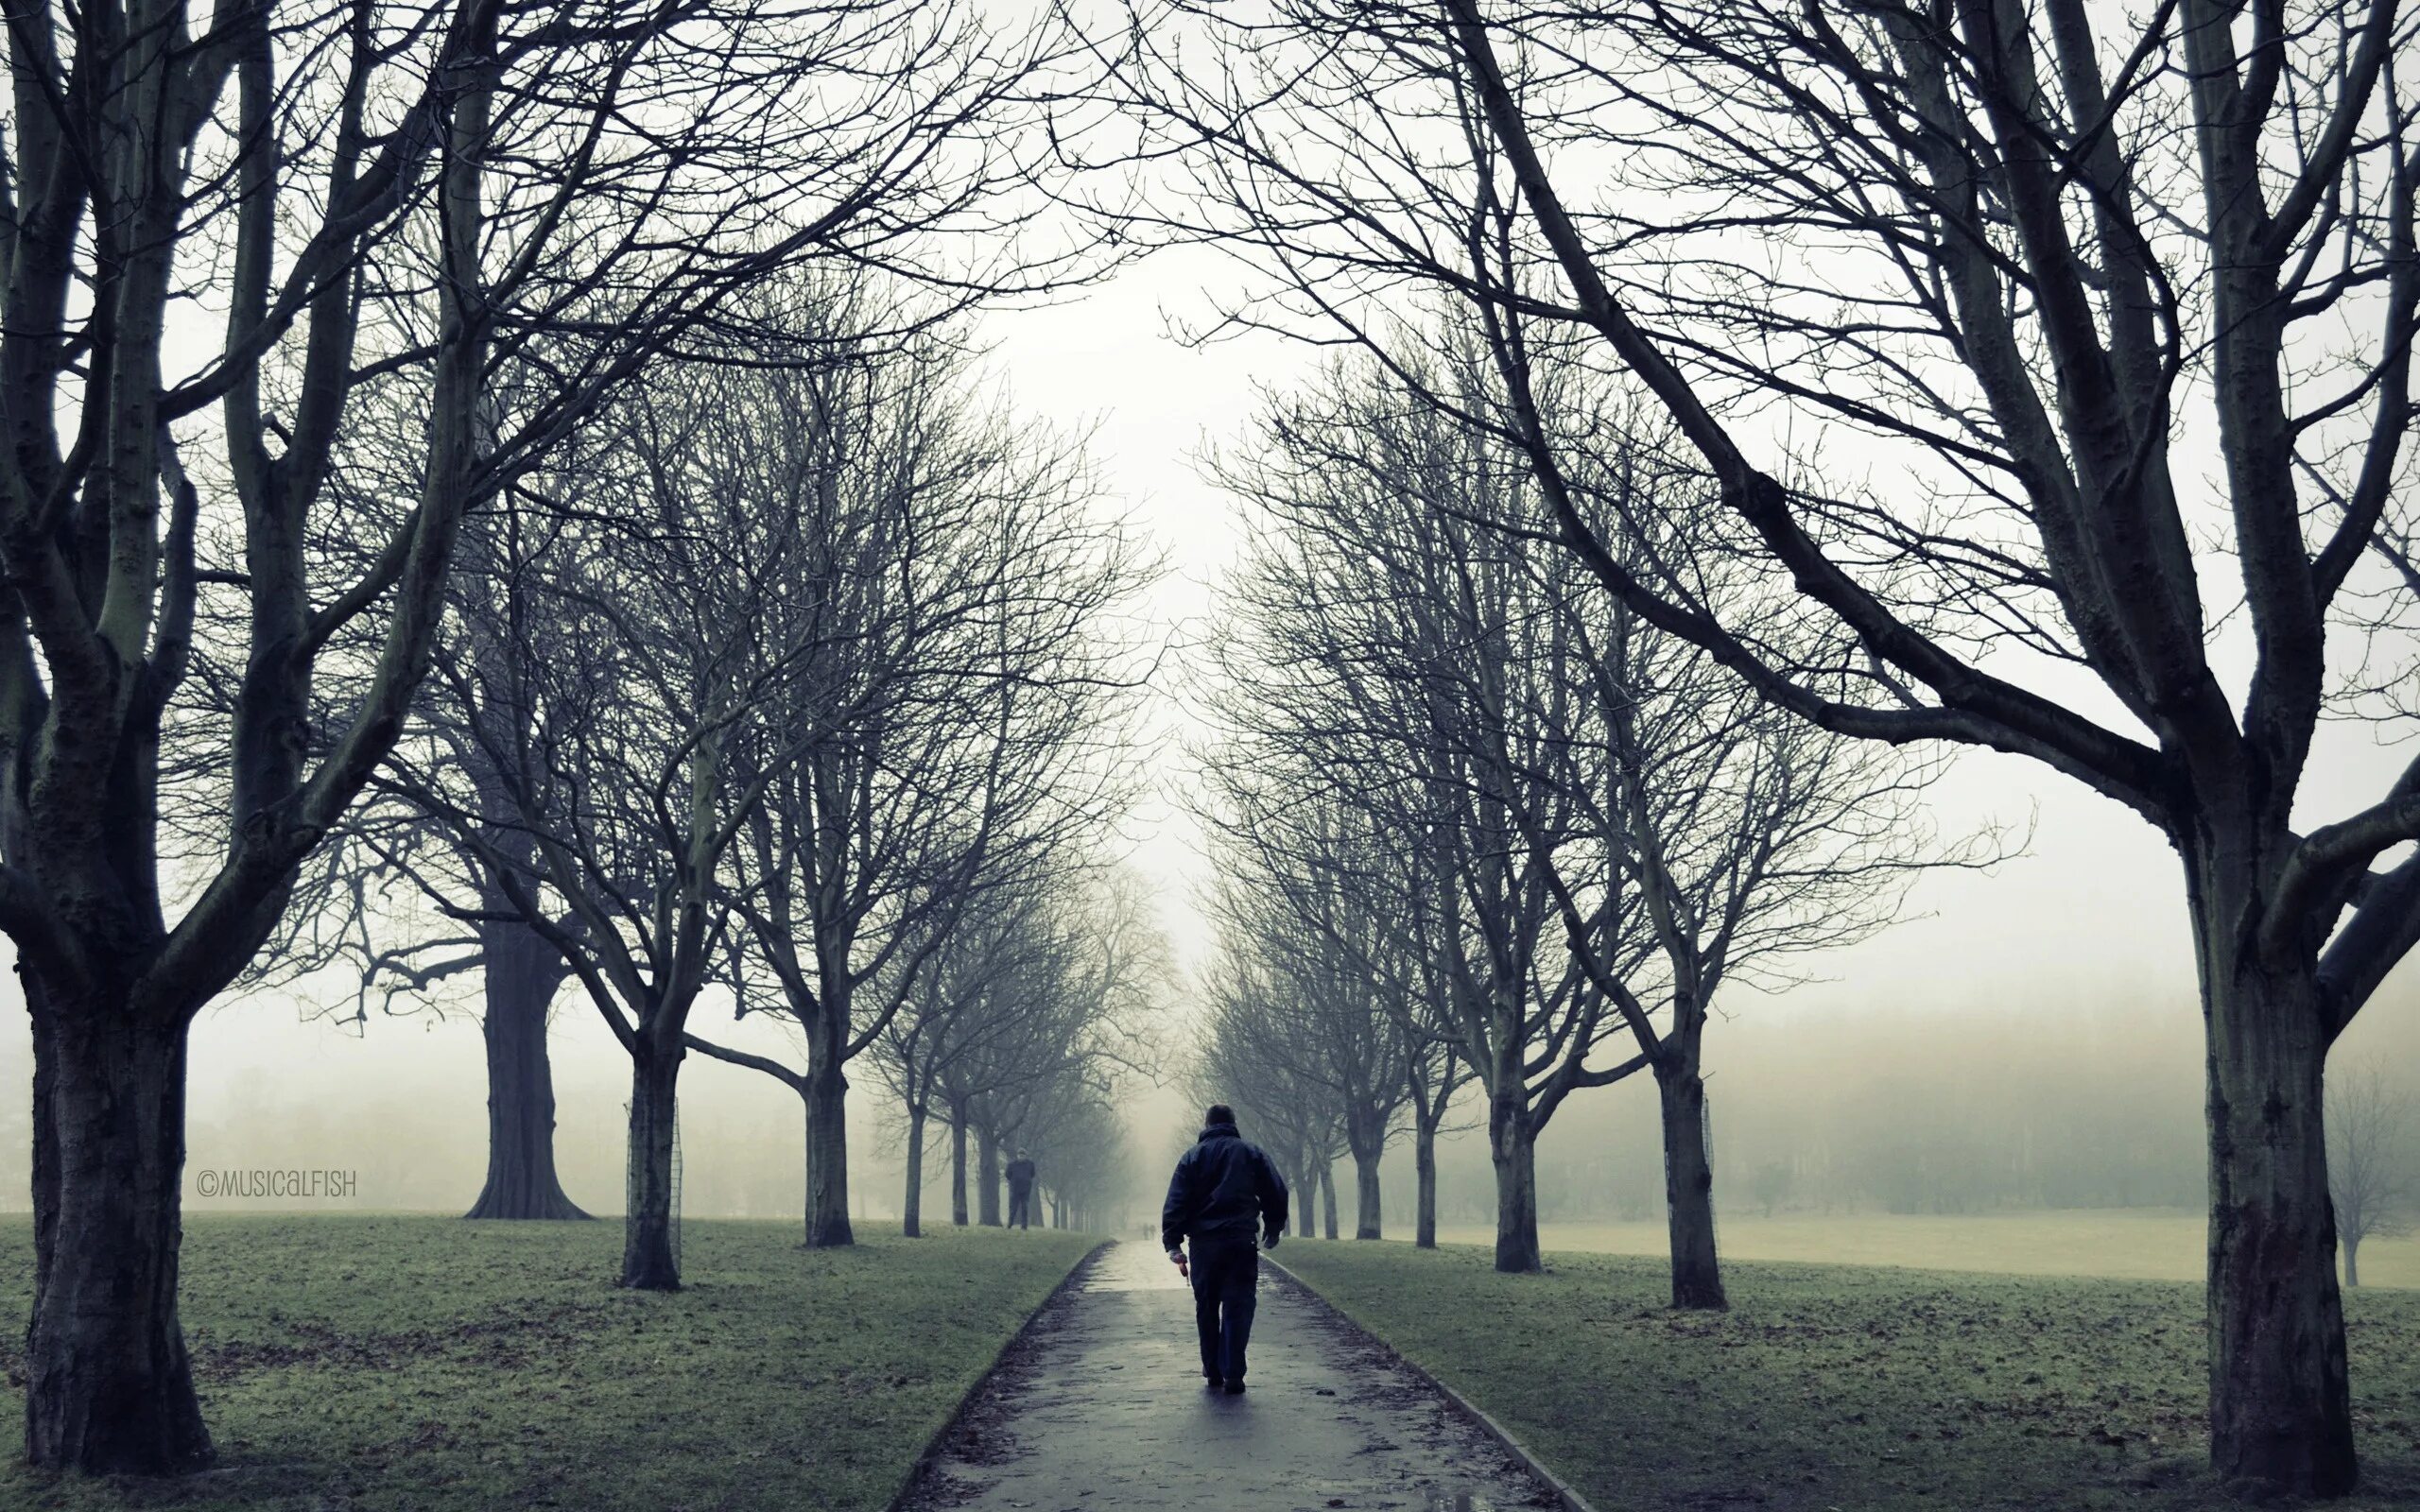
[(2069, 1090)]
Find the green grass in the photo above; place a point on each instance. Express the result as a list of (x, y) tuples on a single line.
[(1864, 1390), (2132, 1244), (427, 1364)]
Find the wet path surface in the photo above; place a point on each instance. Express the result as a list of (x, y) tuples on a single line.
[(1100, 1405)]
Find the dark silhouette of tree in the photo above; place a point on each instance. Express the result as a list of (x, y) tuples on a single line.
[(961, 729), (501, 212), (1995, 262)]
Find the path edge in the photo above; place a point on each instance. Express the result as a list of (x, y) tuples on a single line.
[(1572, 1500), (923, 1469)]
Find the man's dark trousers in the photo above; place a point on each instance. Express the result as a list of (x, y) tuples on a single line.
[(1020, 1208), (1226, 1277)]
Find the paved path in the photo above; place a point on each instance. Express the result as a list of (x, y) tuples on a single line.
[(1100, 1407)]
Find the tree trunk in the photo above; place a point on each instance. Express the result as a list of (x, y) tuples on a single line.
[(911, 1201), (109, 1385), (1423, 1161), (1688, 1190), (958, 1170), (1308, 1188), (2352, 1264), (827, 1148), (1327, 1196), (648, 1262), (2280, 1401), (1367, 1150), (1511, 1145), (522, 972), (987, 1185)]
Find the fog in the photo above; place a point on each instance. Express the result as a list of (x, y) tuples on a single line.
[(2025, 1037), (1958, 1065)]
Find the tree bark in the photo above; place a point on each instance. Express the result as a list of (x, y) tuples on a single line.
[(1368, 1218), (1423, 1161), (1327, 1196), (1368, 1145), (2280, 1398), (109, 1385), (648, 1262), (911, 1200), (1688, 1190), (1510, 1146), (827, 1149), (957, 1169), (522, 973), (1308, 1190), (987, 1188), (2352, 1264)]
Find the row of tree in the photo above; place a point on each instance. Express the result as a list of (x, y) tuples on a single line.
[(1934, 295), (1032, 1011), (321, 340), (1483, 822), (775, 677)]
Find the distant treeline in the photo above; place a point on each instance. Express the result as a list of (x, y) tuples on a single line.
[(2063, 1103)]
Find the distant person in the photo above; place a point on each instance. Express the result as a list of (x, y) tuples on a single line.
[(1225, 1193), (1021, 1191)]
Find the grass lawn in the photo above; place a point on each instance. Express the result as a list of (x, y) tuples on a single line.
[(2132, 1244), (356, 1364), (1863, 1389)]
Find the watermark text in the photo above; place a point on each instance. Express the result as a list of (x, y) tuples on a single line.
[(273, 1185)]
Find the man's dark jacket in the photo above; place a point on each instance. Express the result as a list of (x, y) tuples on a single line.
[(1224, 1190)]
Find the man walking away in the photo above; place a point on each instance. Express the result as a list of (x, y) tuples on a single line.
[(1021, 1191), (1225, 1193)]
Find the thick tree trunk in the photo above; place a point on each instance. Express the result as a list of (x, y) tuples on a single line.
[(1368, 1219), (1306, 1192), (958, 1170), (987, 1187), (1688, 1191), (1424, 1162), (911, 1199), (109, 1385), (2280, 1400), (827, 1150), (1327, 1196), (522, 972), (1510, 1146), (648, 1262)]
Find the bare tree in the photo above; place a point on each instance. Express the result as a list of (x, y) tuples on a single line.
[(1081, 1149), (951, 1019), (1320, 928), (2007, 257), (1243, 1059), (417, 195), (1684, 832), (1068, 1011), (1409, 665), (2371, 1159), (962, 728), (642, 641), (391, 915)]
